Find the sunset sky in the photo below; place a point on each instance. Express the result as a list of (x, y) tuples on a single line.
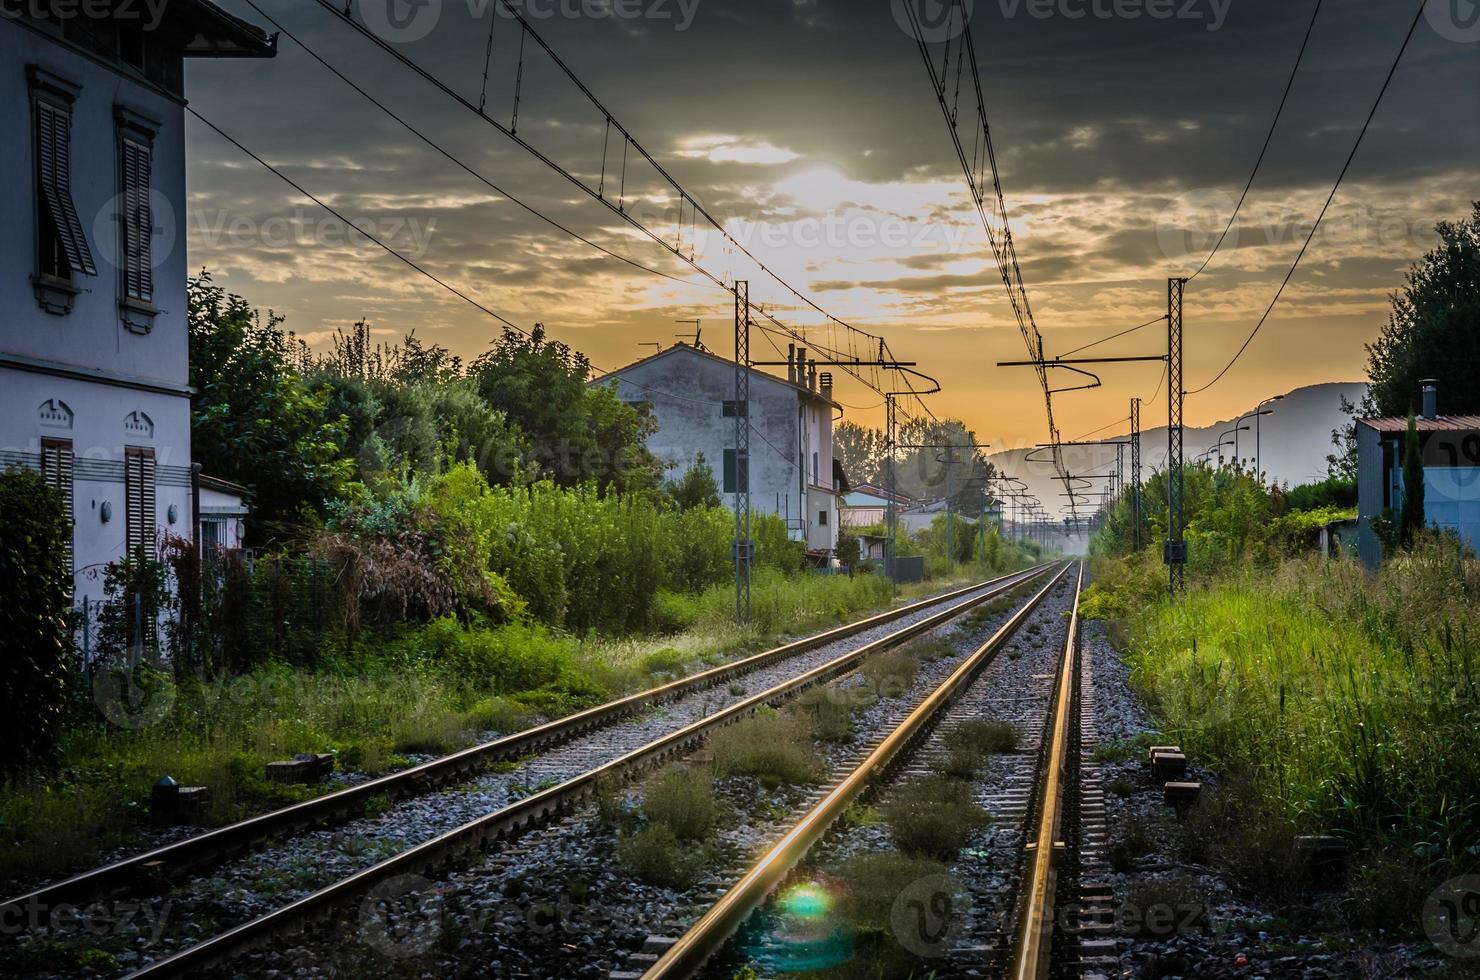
[(810, 129)]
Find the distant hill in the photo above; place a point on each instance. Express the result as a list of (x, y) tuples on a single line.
[(1295, 442)]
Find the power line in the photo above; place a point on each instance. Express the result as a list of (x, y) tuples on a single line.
[(446, 153), (441, 282), (1115, 336), (1267, 137), (1329, 198), (619, 207)]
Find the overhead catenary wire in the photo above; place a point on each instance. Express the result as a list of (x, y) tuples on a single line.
[(344, 15), (1265, 148), (1115, 336), (456, 160), (423, 271), (1392, 70)]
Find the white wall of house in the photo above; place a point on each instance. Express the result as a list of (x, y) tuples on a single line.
[(688, 390), (86, 365)]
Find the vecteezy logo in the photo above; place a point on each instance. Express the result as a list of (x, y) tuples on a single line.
[(1190, 225), (929, 914), (1451, 916), (1454, 20), (120, 230), (933, 21), (401, 917), (401, 21), (132, 698)]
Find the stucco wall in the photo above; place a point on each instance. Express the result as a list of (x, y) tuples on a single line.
[(100, 419)]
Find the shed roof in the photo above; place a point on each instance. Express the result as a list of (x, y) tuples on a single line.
[(1442, 423)]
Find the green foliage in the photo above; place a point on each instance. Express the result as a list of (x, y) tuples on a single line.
[(1433, 330), (1331, 492), (934, 817), (984, 736), (769, 745), (35, 583), (682, 799), (1347, 702), (696, 488), (573, 433), (656, 855), (253, 419)]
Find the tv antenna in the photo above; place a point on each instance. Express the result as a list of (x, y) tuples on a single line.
[(698, 340)]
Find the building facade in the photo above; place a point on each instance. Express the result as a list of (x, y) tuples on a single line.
[(94, 373), (691, 394), (1450, 447)]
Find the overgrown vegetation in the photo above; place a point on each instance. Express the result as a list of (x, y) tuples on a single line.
[(934, 817), (34, 532)]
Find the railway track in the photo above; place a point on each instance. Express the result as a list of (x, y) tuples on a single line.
[(580, 754), (1005, 894)]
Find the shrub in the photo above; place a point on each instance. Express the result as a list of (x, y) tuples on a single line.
[(34, 580), (828, 713), (934, 817), (768, 745), (682, 799), (657, 856), (890, 673), (983, 736)]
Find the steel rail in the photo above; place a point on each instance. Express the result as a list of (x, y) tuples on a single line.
[(1031, 957), (441, 851), (704, 938), (203, 850)]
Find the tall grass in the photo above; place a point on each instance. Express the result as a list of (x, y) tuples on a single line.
[(1351, 702)]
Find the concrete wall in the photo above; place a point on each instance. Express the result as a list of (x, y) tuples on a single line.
[(147, 404)]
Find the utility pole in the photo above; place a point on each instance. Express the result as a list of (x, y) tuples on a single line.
[(742, 452), (1176, 545), (1136, 472), (891, 517)]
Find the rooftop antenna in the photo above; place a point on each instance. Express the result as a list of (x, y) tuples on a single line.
[(653, 344), (698, 343)]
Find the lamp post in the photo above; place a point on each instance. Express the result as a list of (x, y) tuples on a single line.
[(1255, 415), (1258, 460), (1234, 442)]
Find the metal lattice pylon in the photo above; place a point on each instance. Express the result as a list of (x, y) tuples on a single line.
[(1136, 472), (1176, 549), (742, 452)]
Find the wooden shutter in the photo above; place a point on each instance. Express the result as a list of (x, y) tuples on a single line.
[(138, 221), (54, 176), (139, 493), (56, 469)]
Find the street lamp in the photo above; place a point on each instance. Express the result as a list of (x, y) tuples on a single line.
[(1235, 430), (1258, 461), (1255, 415)]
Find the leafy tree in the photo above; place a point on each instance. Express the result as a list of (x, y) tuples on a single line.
[(573, 432), (1411, 518), (860, 451), (937, 457), (254, 420), (696, 488), (1433, 330), (34, 532)]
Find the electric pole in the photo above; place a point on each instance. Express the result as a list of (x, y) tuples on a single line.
[(742, 452), (1176, 545)]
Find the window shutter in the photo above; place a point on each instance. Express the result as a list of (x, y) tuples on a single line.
[(54, 171), (138, 221), (56, 469), (139, 494)]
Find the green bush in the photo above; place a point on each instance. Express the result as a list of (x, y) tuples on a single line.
[(682, 799), (984, 736), (36, 585), (768, 745), (934, 817), (657, 856)]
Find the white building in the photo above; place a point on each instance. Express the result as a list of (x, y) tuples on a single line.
[(792, 472), (93, 344)]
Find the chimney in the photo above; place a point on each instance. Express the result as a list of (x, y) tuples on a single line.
[(1430, 398), (825, 381), (812, 376), (791, 363), (801, 377)]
